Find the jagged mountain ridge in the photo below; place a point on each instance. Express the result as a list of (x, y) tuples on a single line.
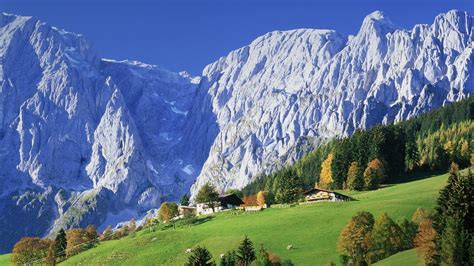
[(89, 140), (286, 89)]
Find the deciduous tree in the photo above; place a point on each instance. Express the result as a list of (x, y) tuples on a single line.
[(208, 194), (374, 174), (425, 242), (168, 211), (326, 179), (29, 250), (261, 198), (355, 240), (386, 237), (355, 177)]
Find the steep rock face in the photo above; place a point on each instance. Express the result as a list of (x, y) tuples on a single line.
[(85, 140), (289, 88), (76, 147)]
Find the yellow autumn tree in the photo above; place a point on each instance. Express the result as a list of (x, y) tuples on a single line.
[(261, 198), (325, 179)]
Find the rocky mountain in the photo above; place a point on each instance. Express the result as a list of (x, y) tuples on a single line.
[(287, 90), (89, 140)]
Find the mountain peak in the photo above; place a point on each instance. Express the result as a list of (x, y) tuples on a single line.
[(378, 17)]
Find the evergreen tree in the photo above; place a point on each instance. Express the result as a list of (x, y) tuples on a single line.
[(246, 252), (412, 156), (454, 218), (184, 201), (200, 256), (355, 177), (60, 244), (409, 230), (229, 259), (386, 237), (340, 162), (454, 244), (289, 186), (263, 258)]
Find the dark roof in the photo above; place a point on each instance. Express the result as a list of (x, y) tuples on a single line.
[(230, 199), (325, 190)]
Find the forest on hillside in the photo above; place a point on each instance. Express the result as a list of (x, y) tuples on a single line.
[(382, 154)]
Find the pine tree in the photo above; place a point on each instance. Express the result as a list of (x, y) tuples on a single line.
[(184, 201), (409, 230), (229, 259), (246, 252), (412, 157), (60, 244), (325, 179), (289, 186), (454, 219), (200, 256), (355, 177), (263, 258), (454, 244)]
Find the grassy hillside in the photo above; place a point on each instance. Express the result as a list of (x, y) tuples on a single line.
[(5, 259), (407, 257), (312, 229)]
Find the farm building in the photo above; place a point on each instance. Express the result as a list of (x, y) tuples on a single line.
[(319, 194), (225, 202)]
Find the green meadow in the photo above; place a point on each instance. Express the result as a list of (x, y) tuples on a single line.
[(313, 230)]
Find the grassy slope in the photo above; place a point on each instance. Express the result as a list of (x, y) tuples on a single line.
[(312, 229), (5, 259), (407, 257)]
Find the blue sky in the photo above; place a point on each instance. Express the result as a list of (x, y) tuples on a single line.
[(189, 34)]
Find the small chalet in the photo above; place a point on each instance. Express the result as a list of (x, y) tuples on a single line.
[(319, 194), (225, 202)]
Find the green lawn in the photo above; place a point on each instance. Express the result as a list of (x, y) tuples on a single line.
[(5, 259), (313, 230), (407, 258)]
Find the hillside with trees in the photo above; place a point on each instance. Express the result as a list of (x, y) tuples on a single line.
[(382, 154)]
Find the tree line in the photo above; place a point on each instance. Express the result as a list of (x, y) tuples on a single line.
[(382, 154), (443, 237)]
